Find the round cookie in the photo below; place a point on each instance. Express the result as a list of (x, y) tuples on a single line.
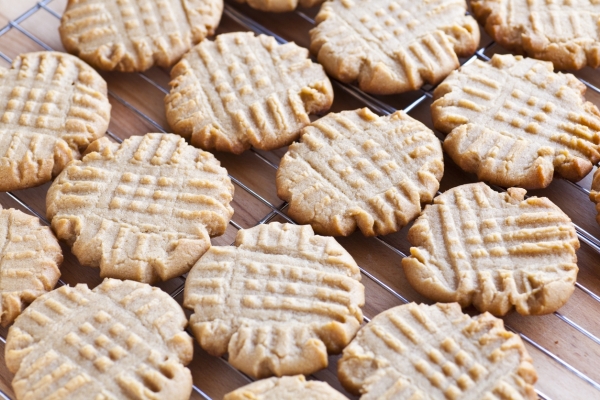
[(514, 122), (286, 388), (123, 339), (493, 250), (357, 169), (392, 46), (242, 90), (565, 33), (53, 106), (134, 35), (419, 351), (143, 210), (277, 302), (29, 260)]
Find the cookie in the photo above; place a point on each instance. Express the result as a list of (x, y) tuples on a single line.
[(286, 388), (514, 122), (123, 339), (134, 35), (29, 260), (357, 169), (595, 193), (278, 301), (493, 250), (392, 46), (565, 33), (280, 5), (143, 210), (419, 351), (53, 105), (242, 90)]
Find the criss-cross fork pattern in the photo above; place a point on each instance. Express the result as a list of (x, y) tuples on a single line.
[(280, 300), (519, 131), (345, 173), (155, 201), (492, 247), (116, 328), (376, 104), (392, 46), (138, 33), (242, 90), (442, 351)]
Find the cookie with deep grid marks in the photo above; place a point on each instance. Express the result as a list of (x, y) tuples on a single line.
[(565, 33), (29, 260), (143, 210), (280, 5), (436, 352), (493, 250), (514, 122), (242, 90), (285, 388), (392, 46), (357, 169), (278, 301), (123, 339), (134, 35), (53, 105)]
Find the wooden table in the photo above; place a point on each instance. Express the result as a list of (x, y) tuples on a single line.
[(564, 345)]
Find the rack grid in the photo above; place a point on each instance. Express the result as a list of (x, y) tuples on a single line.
[(567, 361)]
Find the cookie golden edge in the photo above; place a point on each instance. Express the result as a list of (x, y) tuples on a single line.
[(354, 382), (122, 60), (14, 303), (19, 344), (31, 174), (26, 174), (298, 383), (317, 99), (595, 193), (464, 37), (330, 339), (574, 169), (554, 294), (344, 225), (564, 55), (69, 230)]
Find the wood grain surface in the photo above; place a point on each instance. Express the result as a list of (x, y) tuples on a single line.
[(565, 345)]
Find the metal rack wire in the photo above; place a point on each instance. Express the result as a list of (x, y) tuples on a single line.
[(279, 211)]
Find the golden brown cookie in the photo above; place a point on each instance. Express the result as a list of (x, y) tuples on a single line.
[(417, 351), (143, 210), (53, 105), (242, 90), (121, 340), (565, 33), (29, 260), (286, 388), (493, 250), (393, 46), (278, 301), (134, 35), (514, 122), (280, 5), (595, 193), (357, 169)]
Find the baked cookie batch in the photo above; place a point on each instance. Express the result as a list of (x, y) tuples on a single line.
[(282, 298)]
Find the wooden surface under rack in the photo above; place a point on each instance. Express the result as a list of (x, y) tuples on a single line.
[(564, 345)]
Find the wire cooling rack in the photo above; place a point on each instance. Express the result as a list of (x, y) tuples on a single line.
[(565, 345)]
